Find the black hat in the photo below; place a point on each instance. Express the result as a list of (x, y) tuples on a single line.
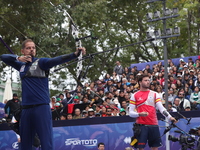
[(14, 95)]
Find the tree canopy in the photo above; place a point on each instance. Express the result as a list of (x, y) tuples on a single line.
[(115, 23)]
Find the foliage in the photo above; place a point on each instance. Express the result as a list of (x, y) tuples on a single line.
[(115, 23)]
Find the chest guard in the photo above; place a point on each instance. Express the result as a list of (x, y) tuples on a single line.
[(36, 71)]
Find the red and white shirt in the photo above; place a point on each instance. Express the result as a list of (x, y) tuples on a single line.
[(145, 101)]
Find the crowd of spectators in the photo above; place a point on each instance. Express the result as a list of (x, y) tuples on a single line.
[(110, 96)]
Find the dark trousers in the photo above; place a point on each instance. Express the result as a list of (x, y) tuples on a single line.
[(36, 120)]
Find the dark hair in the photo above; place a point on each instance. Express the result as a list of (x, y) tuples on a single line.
[(100, 144), (140, 77)]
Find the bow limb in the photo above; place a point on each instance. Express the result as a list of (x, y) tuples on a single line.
[(6, 46)]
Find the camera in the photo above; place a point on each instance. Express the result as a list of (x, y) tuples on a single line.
[(186, 140)]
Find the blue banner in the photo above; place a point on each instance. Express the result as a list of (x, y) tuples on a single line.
[(115, 136)]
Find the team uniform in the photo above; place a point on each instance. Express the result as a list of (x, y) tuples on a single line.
[(36, 114), (147, 101)]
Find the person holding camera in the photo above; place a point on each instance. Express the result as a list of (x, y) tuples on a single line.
[(142, 106)]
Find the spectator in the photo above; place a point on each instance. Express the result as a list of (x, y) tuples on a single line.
[(86, 100), (77, 114), (108, 112), (171, 95), (176, 104), (121, 97), (77, 100), (67, 100), (103, 111), (85, 113), (12, 106), (101, 146), (90, 94), (191, 84), (63, 117), (171, 108), (107, 77), (91, 113), (191, 75), (97, 100), (100, 86), (115, 77), (197, 82), (195, 99), (122, 112), (147, 68), (118, 68), (184, 103), (69, 117), (52, 102)]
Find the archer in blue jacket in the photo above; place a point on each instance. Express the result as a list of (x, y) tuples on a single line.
[(36, 113)]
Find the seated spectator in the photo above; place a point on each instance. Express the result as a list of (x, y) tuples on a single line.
[(176, 104), (77, 114), (184, 102), (63, 117), (77, 100), (97, 100), (170, 108), (84, 114), (90, 94), (108, 112), (86, 100), (91, 113), (191, 84), (103, 111), (121, 97), (195, 99), (97, 115), (122, 112), (171, 95), (97, 109), (115, 111), (197, 82), (69, 117)]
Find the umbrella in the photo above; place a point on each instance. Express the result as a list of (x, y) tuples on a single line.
[(8, 94)]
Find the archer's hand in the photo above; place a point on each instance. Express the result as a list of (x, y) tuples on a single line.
[(79, 50), (143, 114), (25, 58), (173, 120)]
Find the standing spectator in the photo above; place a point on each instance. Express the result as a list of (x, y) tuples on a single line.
[(12, 106), (118, 68), (35, 93), (145, 102), (195, 99)]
